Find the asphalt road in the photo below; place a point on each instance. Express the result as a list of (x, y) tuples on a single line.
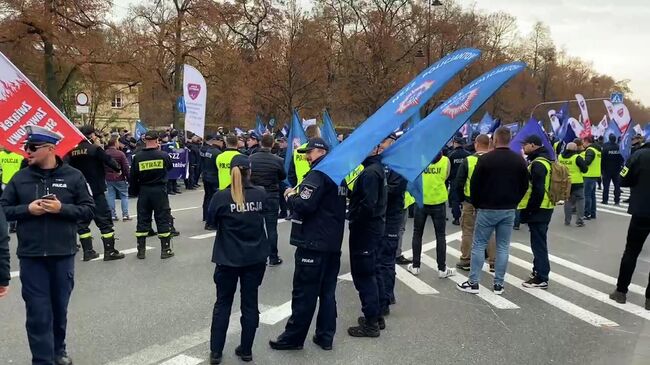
[(133, 312)]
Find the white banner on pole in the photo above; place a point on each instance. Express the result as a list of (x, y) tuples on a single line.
[(619, 114), (582, 103), (195, 94)]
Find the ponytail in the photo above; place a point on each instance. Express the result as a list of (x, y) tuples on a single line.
[(237, 186)]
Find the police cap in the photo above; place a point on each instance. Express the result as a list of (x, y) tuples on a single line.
[(241, 161), (40, 135), (533, 139), (315, 143), (151, 135)]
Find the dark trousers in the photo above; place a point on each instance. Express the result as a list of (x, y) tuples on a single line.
[(390, 245), (209, 189), (192, 178), (153, 198), (314, 280), (226, 278), (611, 178), (172, 186), (283, 203), (590, 197), (270, 214), (365, 246), (103, 218), (637, 233), (47, 284), (539, 246), (438, 214), (455, 204)]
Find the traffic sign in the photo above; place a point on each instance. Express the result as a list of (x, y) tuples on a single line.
[(180, 104), (616, 98), (83, 109), (82, 99)]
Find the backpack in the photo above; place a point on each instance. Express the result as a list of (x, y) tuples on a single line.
[(560, 182)]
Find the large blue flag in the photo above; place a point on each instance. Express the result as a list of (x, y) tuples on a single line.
[(260, 128), (294, 140), (495, 124), (566, 132), (413, 120), (328, 131), (513, 127), (626, 142), (563, 114), (485, 124), (531, 128), (413, 152), (140, 129), (646, 130), (349, 154), (612, 128)]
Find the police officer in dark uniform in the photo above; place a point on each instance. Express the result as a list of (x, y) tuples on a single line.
[(456, 157), (318, 207), (209, 153), (239, 252), (149, 183), (90, 159), (611, 168), (47, 199), (367, 216)]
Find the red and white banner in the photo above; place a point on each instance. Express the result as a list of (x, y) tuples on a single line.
[(195, 93), (619, 114), (582, 103), (23, 104), (600, 129)]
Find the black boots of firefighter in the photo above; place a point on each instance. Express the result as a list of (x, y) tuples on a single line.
[(87, 247), (166, 250), (142, 247), (366, 328), (110, 253)]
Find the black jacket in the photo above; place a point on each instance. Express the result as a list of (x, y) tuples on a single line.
[(612, 162), (48, 234), (580, 162), (149, 167), (319, 208), (369, 197), (209, 164), (500, 180), (396, 188), (241, 236), (460, 179), (533, 213), (193, 153), (253, 150), (5, 275), (636, 175), (90, 159), (267, 170), (457, 156)]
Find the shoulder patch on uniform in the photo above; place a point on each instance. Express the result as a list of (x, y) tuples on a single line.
[(306, 192), (625, 171)]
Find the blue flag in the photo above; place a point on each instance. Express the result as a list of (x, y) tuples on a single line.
[(416, 190), (140, 129), (413, 120), (531, 128), (513, 127), (474, 130), (485, 124), (612, 128), (349, 154), (563, 114), (260, 128), (626, 142), (413, 152), (328, 131), (566, 132), (646, 130), (495, 124), (294, 140)]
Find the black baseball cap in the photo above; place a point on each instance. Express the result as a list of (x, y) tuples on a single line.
[(87, 130), (151, 135), (241, 161), (459, 139), (315, 143), (533, 139)]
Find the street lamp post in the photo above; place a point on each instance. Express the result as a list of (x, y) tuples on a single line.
[(430, 3)]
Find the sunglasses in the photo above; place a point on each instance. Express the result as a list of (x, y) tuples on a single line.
[(34, 147)]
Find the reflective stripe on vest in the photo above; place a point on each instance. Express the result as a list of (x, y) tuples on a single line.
[(10, 164), (546, 202), (223, 167), (433, 182), (471, 165), (594, 168), (574, 171), (351, 179), (300, 163)]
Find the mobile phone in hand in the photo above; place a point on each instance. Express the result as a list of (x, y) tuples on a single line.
[(49, 197)]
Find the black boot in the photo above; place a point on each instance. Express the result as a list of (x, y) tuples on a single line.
[(142, 247), (151, 233), (87, 246), (110, 253), (381, 322), (166, 250), (368, 328)]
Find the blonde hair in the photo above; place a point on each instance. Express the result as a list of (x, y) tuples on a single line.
[(237, 186)]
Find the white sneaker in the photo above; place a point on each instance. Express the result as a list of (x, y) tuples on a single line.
[(446, 273), (413, 270)]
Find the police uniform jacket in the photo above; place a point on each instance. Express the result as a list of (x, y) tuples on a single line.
[(149, 167), (533, 212), (90, 159), (369, 196), (48, 234), (319, 208), (612, 162), (241, 236), (5, 275), (456, 157), (209, 167), (636, 175), (396, 188), (267, 170)]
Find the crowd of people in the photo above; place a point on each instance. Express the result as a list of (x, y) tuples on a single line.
[(490, 189)]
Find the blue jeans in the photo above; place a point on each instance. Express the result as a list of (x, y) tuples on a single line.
[(118, 189), (488, 221), (539, 246), (590, 197)]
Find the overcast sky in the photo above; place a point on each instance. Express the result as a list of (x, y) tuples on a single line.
[(612, 34)]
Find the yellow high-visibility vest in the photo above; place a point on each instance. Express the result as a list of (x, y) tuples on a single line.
[(223, 167)]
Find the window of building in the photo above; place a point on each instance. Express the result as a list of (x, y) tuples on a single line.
[(118, 101)]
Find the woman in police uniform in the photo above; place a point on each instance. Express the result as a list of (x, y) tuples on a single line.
[(240, 251)]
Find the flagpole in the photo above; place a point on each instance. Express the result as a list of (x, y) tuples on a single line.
[(561, 102)]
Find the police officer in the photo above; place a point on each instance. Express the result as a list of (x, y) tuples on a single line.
[(456, 156), (636, 175), (90, 159), (592, 156), (268, 172), (47, 199), (319, 209), (149, 184), (239, 252), (209, 153), (10, 163), (252, 143), (224, 158), (299, 166), (611, 167), (576, 166)]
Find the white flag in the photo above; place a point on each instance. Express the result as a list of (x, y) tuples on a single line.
[(582, 103), (576, 126), (619, 114), (639, 130), (195, 94), (555, 122)]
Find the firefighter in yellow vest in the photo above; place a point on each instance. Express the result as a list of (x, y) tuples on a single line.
[(434, 193), (537, 209), (593, 157), (299, 166), (468, 217), (223, 161), (9, 164), (577, 166)]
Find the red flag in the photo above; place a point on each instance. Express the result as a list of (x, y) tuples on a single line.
[(23, 104), (586, 131)]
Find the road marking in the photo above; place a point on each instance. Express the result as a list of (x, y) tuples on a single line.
[(182, 360), (274, 315), (484, 293), (581, 269), (612, 212), (564, 305), (413, 282)]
